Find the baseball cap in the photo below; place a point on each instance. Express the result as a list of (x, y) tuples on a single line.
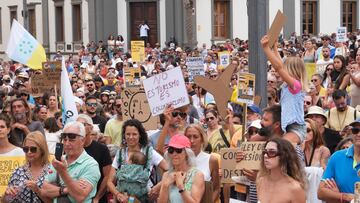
[(254, 108), (355, 122), (179, 141), (23, 75)]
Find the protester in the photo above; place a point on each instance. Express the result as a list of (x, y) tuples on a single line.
[(183, 182), (112, 132), (6, 148), (26, 181), (52, 133)]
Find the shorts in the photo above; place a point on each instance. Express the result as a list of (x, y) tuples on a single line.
[(299, 130)]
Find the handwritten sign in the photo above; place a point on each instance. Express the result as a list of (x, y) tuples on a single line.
[(253, 155), (137, 51), (85, 59), (132, 77), (228, 165), (341, 34), (136, 106), (45, 82), (164, 89), (7, 167), (195, 67), (224, 59), (246, 88)]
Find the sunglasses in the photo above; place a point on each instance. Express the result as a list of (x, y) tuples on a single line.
[(70, 136), (213, 76), (355, 130), (314, 80), (118, 105), (181, 114), (171, 150), (209, 119), (81, 97), (24, 94), (270, 153), (89, 85), (233, 78), (91, 104), (31, 149), (308, 130), (307, 102)]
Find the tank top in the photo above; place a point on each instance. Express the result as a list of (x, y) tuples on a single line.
[(203, 164), (174, 195)]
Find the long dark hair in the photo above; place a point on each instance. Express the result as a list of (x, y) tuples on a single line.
[(343, 71), (143, 141)]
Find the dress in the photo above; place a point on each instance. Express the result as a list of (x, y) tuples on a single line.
[(174, 195), (355, 92)]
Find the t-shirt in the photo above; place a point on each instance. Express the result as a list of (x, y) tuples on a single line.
[(101, 121), (52, 139), (331, 139), (17, 136), (113, 129), (338, 120), (144, 30), (17, 151)]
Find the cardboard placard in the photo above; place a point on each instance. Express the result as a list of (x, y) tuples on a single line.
[(253, 155), (7, 167), (341, 34), (45, 82), (246, 88), (136, 106), (228, 165), (164, 89), (224, 59), (219, 88), (276, 27), (137, 51), (132, 77), (195, 67)]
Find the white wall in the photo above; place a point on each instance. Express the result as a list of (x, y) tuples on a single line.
[(162, 22), (274, 6), (5, 19), (85, 21), (122, 20), (329, 15), (298, 23), (240, 19), (203, 22)]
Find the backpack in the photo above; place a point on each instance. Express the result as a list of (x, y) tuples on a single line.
[(133, 178)]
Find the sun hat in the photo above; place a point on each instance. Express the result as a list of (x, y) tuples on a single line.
[(179, 141), (316, 110)]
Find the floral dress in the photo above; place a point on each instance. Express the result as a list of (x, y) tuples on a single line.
[(18, 179)]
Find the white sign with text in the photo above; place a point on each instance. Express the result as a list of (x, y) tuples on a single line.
[(341, 34), (195, 67), (167, 88)]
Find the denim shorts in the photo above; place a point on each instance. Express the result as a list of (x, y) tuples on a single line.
[(299, 130)]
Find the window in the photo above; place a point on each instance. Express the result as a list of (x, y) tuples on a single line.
[(221, 19), (349, 15), (13, 13), (309, 9), (32, 21), (77, 34), (59, 23)]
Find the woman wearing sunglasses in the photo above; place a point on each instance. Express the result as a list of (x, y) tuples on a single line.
[(280, 173), (26, 181), (183, 182), (135, 139), (316, 154), (206, 163)]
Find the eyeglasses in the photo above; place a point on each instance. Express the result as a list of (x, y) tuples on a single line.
[(171, 150), (213, 76), (31, 149), (70, 136), (355, 130), (307, 102), (308, 130), (91, 104), (314, 80), (209, 119), (181, 114), (270, 153), (81, 97)]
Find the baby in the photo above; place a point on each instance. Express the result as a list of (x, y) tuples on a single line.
[(137, 158)]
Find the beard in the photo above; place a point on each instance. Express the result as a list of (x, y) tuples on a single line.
[(265, 131), (19, 116)]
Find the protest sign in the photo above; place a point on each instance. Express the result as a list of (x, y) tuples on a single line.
[(224, 59), (219, 88), (132, 77), (86, 59), (321, 67), (228, 165), (195, 67), (246, 88), (276, 27), (166, 88), (7, 167), (48, 79), (341, 34), (310, 69), (253, 155), (136, 106), (137, 51)]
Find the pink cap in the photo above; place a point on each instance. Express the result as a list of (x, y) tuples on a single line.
[(179, 141)]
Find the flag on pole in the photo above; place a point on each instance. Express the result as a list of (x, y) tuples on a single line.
[(69, 111), (24, 48)]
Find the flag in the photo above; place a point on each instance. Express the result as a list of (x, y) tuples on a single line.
[(69, 111), (24, 48)]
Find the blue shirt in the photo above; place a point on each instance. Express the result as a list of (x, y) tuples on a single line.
[(341, 169)]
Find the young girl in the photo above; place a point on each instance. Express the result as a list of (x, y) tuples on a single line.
[(293, 73)]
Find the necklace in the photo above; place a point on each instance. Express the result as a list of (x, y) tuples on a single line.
[(342, 123)]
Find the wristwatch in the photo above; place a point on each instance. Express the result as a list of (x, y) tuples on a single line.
[(61, 191), (181, 191)]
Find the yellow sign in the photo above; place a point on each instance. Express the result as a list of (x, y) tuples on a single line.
[(137, 51), (7, 167), (132, 77), (310, 69)]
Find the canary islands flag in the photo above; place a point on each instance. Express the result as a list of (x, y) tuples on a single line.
[(24, 48), (69, 111)]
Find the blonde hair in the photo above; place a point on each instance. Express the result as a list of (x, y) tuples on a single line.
[(203, 135), (40, 141), (296, 68)]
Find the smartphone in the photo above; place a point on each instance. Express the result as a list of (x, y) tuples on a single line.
[(59, 149)]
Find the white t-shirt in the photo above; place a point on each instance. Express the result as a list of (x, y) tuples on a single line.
[(52, 139), (17, 151), (143, 30)]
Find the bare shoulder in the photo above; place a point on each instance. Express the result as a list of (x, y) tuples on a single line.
[(295, 186)]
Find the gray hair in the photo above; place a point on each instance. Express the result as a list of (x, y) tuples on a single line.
[(190, 159), (77, 125), (86, 118)]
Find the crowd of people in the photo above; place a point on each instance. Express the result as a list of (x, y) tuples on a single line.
[(310, 127)]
